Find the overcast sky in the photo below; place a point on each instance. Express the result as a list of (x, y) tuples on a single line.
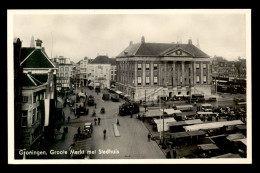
[(76, 36)]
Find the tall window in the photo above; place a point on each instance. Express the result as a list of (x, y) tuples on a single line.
[(155, 80), (34, 97), (204, 65), (61, 69), (66, 68), (34, 116), (25, 99), (197, 66), (139, 81), (24, 118), (147, 66), (38, 113), (61, 75), (139, 66), (198, 79), (204, 79), (155, 66), (147, 80)]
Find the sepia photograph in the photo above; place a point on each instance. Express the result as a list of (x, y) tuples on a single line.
[(161, 86)]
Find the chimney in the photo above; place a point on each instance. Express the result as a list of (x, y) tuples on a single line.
[(32, 42), (143, 39), (190, 41), (38, 44), (131, 42)]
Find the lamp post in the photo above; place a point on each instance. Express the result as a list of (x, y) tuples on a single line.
[(144, 100)]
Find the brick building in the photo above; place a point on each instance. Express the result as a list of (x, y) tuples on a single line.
[(163, 69)]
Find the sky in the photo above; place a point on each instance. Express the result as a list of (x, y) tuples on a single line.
[(76, 36)]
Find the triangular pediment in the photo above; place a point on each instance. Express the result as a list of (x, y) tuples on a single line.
[(176, 52)]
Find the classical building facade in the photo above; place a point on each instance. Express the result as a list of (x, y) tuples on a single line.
[(163, 70), (83, 71)]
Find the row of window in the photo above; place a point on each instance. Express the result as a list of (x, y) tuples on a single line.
[(155, 80), (155, 66), (35, 97), (62, 81), (62, 74), (66, 69)]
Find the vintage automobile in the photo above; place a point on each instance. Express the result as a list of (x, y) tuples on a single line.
[(102, 110), (90, 100), (129, 107), (105, 97), (114, 98), (88, 127)]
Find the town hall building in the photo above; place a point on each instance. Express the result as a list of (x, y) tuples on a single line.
[(154, 70)]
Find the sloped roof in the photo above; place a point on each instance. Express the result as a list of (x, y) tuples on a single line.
[(29, 80), (101, 60), (155, 49), (43, 78), (35, 58)]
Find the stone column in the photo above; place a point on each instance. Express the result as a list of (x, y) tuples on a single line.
[(165, 73), (135, 75), (201, 72), (191, 74), (151, 76), (143, 70), (194, 74), (208, 74), (182, 74), (174, 74)]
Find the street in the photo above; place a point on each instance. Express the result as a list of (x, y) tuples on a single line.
[(131, 144)]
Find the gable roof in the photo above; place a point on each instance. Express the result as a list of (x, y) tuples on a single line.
[(155, 49), (35, 58), (28, 80)]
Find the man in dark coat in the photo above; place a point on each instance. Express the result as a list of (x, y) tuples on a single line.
[(99, 120)]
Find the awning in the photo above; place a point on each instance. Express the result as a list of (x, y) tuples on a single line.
[(205, 113), (213, 125), (236, 136), (153, 113), (196, 133), (179, 135), (206, 105), (165, 126), (244, 140), (171, 111), (208, 147), (118, 92), (187, 122)]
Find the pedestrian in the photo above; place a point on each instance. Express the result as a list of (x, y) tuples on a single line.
[(67, 129), (95, 105), (131, 114), (118, 122), (99, 120), (68, 119), (95, 121), (149, 137), (174, 153), (105, 132), (168, 155), (78, 130)]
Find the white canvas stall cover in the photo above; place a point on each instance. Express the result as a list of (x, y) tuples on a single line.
[(81, 94), (118, 92), (212, 125), (159, 123), (171, 111), (47, 111)]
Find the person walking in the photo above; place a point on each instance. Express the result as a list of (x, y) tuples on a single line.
[(68, 119), (99, 120), (95, 121), (95, 104), (174, 153), (118, 122), (79, 131), (104, 132), (149, 137)]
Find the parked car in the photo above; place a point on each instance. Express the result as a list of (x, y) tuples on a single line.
[(129, 107), (105, 97), (114, 98)]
